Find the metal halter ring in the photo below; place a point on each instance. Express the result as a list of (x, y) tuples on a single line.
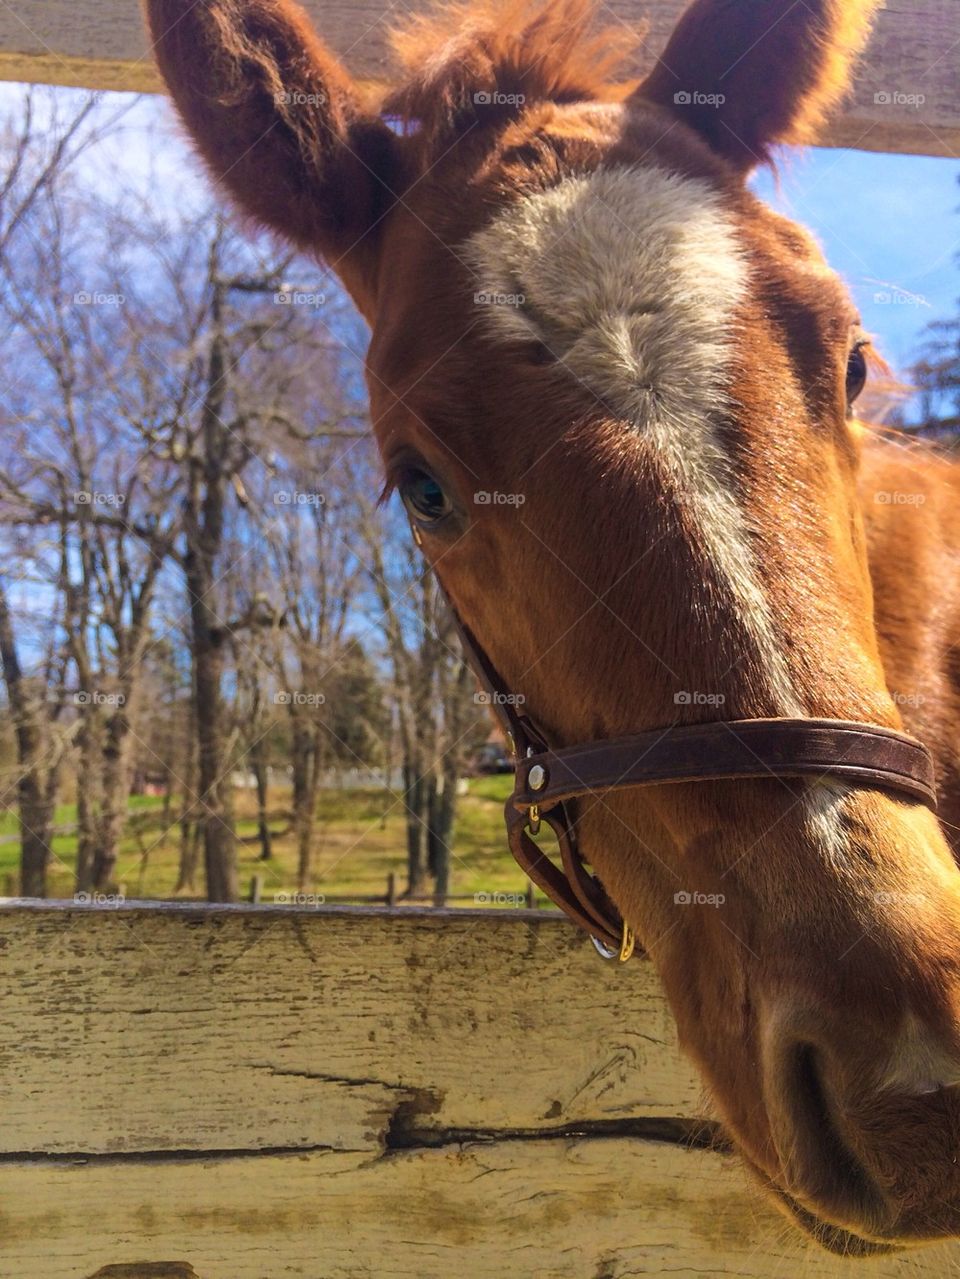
[(628, 942)]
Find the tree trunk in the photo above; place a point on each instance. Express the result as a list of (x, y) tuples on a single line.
[(189, 826), (89, 765), (214, 812), (414, 786), (116, 790), (304, 798), (259, 766), (442, 805), (36, 824), (203, 531), (215, 816), (37, 786)]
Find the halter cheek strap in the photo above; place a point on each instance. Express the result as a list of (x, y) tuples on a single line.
[(727, 750)]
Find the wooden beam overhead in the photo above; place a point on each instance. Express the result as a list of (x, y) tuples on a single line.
[(906, 98)]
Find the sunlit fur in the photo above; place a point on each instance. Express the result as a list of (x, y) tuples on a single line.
[(703, 533)]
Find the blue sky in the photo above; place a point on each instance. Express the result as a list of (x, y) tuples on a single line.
[(890, 224)]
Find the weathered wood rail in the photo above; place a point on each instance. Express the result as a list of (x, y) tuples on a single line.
[(914, 54), (257, 1093)]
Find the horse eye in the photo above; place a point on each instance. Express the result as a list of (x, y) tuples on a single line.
[(856, 372), (423, 496)]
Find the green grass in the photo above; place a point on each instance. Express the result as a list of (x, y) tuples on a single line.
[(360, 838)]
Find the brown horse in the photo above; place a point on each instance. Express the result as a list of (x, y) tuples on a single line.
[(575, 301)]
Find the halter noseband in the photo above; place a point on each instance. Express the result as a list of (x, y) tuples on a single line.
[(863, 754)]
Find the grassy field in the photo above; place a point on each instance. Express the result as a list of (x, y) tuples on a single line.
[(360, 839)]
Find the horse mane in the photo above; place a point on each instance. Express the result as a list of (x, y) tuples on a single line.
[(466, 63)]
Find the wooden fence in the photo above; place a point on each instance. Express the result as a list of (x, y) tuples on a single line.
[(257, 1093), (914, 52)]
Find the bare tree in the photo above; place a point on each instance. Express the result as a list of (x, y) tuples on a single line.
[(39, 146), (438, 724)]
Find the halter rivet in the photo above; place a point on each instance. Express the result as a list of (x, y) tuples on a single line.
[(537, 777)]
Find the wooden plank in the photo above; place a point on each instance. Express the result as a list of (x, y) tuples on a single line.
[(244, 1029), (255, 1093), (579, 1209), (915, 53)]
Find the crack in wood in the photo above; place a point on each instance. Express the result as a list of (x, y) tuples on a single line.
[(165, 1156), (404, 1133), (319, 1077)]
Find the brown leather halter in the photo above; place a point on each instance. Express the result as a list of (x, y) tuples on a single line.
[(863, 754)]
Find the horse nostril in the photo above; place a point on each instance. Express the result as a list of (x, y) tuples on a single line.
[(818, 1162)]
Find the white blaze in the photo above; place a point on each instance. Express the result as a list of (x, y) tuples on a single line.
[(632, 277)]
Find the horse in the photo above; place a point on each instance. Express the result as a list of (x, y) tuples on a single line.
[(615, 392)]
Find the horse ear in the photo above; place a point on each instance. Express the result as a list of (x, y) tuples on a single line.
[(280, 124), (747, 74)]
